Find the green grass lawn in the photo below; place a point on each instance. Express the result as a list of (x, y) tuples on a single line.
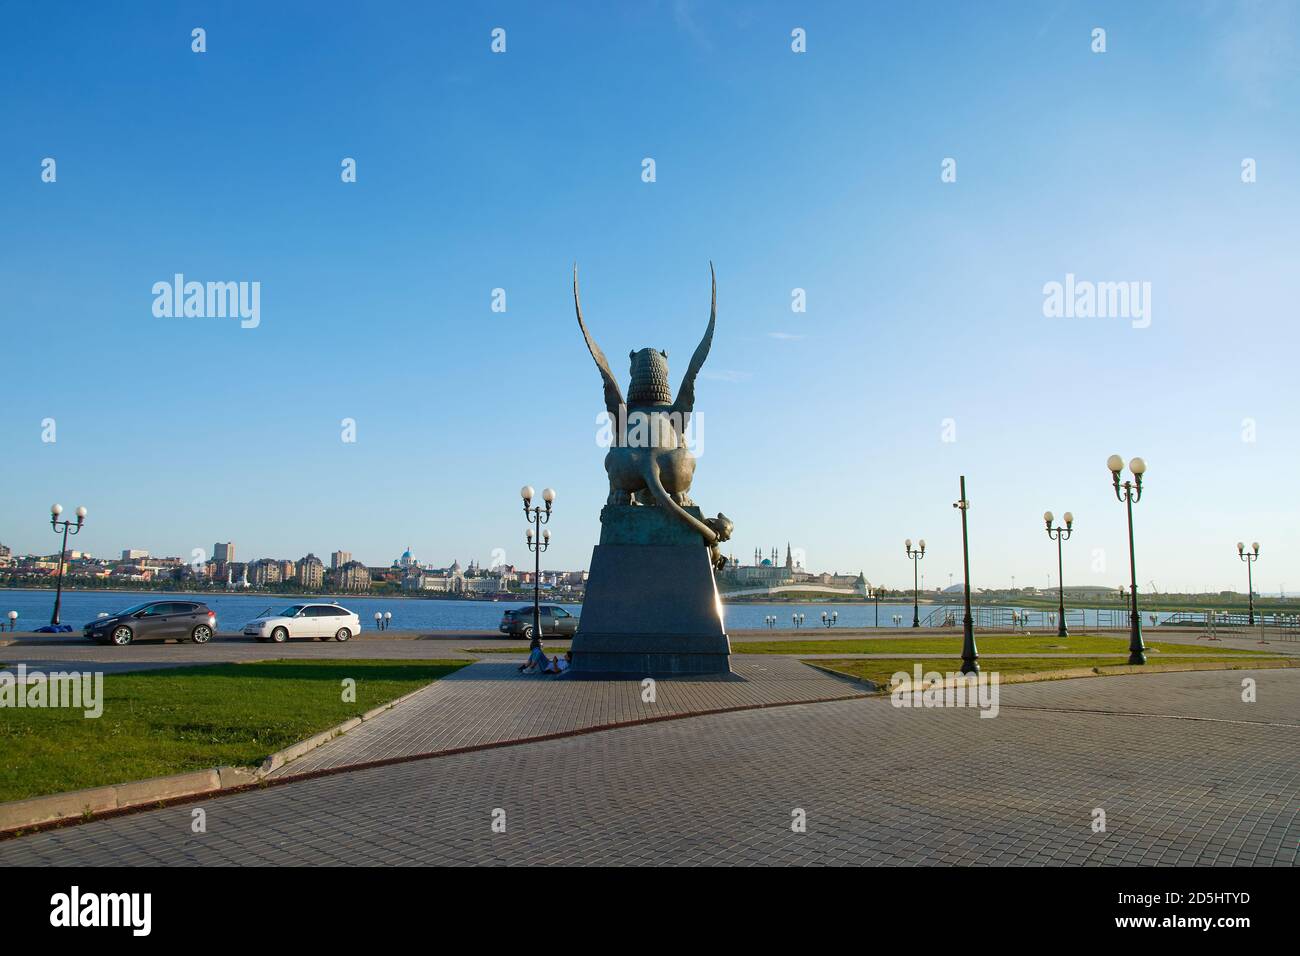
[(172, 721), (880, 670), (992, 644)]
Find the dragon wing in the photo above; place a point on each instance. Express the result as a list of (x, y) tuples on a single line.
[(613, 395), (685, 401)]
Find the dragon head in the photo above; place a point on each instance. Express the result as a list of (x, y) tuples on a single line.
[(722, 526), (649, 384)]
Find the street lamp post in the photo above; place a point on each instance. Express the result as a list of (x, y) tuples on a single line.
[(915, 555), (1250, 557), (829, 620), (1060, 534), (1128, 492), (877, 595), (969, 655), (68, 527), (537, 543)]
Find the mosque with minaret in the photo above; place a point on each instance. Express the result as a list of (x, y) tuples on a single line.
[(766, 571), (770, 572)]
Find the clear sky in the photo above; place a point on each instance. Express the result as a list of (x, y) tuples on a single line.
[(818, 170)]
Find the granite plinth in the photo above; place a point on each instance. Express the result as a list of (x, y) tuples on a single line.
[(651, 605)]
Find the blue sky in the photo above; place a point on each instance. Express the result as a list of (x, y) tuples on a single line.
[(818, 171)]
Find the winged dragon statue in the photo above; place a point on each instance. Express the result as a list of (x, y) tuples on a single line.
[(648, 462)]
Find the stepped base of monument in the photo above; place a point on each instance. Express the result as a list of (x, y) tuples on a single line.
[(651, 607), (650, 655)]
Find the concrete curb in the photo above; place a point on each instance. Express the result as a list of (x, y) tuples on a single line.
[(281, 757), (80, 805), (862, 682)]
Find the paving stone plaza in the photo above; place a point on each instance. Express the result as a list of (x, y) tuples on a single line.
[(714, 772)]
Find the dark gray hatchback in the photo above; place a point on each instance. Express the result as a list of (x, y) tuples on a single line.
[(155, 621)]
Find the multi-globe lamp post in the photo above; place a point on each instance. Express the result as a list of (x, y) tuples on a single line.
[(1060, 534), (68, 527), (1250, 557), (1128, 493), (538, 541), (916, 555)]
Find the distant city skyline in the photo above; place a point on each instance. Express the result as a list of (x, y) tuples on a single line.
[(755, 559), (918, 277)]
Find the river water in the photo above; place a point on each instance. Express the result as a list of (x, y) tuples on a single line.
[(233, 610)]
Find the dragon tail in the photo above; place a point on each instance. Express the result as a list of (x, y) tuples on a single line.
[(661, 495)]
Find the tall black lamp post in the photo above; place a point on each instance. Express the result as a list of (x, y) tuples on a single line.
[(68, 527), (1129, 492), (877, 592), (969, 656), (1060, 534), (1250, 557), (538, 541), (915, 555)]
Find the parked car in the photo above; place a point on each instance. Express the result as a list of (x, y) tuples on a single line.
[(556, 622), (155, 621), (320, 621)]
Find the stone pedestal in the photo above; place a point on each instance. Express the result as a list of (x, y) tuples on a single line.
[(651, 607)]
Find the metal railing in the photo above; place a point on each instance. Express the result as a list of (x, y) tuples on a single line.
[(1113, 619), (1003, 618), (1216, 624), (1233, 619), (1285, 627)]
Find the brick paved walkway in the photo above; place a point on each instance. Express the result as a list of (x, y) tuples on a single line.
[(879, 785), (1208, 695), (491, 701)]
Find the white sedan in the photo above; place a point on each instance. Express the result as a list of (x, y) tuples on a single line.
[(319, 621)]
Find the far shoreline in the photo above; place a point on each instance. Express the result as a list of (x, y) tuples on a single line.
[(525, 596), (1038, 602), (291, 596)]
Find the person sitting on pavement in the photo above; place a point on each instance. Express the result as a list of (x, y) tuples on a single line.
[(537, 659)]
